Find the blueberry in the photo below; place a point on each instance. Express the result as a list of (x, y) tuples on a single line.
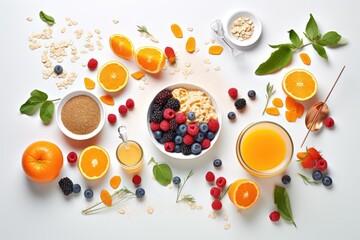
[(327, 181), (177, 148), (178, 131), (139, 192), (286, 179), (158, 135), (191, 116), (176, 180), (217, 163), (76, 188), (196, 148), (210, 135), (203, 127), (183, 128), (58, 69), (251, 94), (231, 115), (199, 137), (178, 140), (317, 175), (88, 193)]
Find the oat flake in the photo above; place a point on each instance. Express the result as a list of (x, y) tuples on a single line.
[(227, 226), (150, 210)]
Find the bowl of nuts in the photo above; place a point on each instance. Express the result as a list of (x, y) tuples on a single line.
[(243, 28)]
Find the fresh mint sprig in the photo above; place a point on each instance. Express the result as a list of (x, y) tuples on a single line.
[(187, 197), (270, 91), (162, 172)]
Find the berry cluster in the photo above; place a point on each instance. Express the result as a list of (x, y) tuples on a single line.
[(176, 130), (68, 187), (240, 103)]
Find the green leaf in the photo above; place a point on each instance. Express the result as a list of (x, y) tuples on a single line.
[(47, 111), (37, 93), (312, 30), (282, 202), (47, 18), (330, 38), (277, 60), (295, 39), (289, 45), (31, 105), (320, 50), (162, 173)]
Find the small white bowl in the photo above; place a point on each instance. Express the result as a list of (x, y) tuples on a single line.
[(257, 28), (70, 134), (180, 155)]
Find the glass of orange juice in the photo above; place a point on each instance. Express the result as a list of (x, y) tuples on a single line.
[(264, 149)]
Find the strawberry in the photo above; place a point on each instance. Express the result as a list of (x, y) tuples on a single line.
[(170, 54), (308, 162), (314, 153)]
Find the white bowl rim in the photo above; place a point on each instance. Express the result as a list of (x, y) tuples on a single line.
[(180, 155), (60, 124)]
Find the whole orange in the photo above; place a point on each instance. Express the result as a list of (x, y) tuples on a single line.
[(42, 161)]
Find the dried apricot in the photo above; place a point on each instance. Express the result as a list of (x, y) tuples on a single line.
[(108, 100), (138, 75), (190, 45), (305, 58), (299, 110), (89, 84), (215, 50), (277, 102), (290, 116), (176, 30), (272, 111), (290, 104)]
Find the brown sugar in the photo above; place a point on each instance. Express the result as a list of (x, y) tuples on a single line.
[(81, 115)]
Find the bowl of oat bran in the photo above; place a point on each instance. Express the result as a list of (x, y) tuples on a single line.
[(80, 115)]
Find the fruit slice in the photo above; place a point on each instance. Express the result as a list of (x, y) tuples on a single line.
[(107, 99), (113, 76), (115, 182), (121, 46), (190, 45), (89, 84), (299, 84), (150, 59), (243, 193), (176, 30), (106, 197), (93, 162)]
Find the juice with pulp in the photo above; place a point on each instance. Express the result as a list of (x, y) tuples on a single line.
[(130, 156)]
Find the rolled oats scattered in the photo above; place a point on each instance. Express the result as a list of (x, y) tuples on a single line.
[(212, 215), (225, 217), (218, 68), (115, 21), (197, 49), (172, 73), (206, 61), (227, 226), (187, 64), (63, 30), (212, 40), (97, 31), (83, 64), (121, 211), (206, 43), (29, 19), (150, 210), (190, 29)]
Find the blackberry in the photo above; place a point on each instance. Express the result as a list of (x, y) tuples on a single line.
[(173, 103), (173, 124), (169, 136), (66, 186), (156, 116), (162, 97), (155, 107), (240, 103), (185, 149)]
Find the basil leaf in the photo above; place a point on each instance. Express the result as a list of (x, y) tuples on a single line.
[(31, 105), (312, 30), (47, 18), (37, 93), (47, 111), (278, 59), (320, 50), (162, 173), (330, 38), (282, 202), (289, 45), (295, 39)]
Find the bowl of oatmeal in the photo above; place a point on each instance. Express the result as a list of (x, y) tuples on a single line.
[(183, 121), (80, 115)]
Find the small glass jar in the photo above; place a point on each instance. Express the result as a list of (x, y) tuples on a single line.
[(130, 156)]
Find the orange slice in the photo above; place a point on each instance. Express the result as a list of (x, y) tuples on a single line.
[(113, 76), (121, 46), (243, 193), (299, 84), (93, 162), (150, 59)]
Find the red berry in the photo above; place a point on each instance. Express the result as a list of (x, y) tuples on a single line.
[(180, 118), (321, 165), (92, 64), (154, 126), (308, 162), (233, 93), (122, 110), (205, 143), (221, 182), (314, 153), (136, 179), (193, 129), (216, 205), (170, 54), (329, 122), (210, 176), (130, 104), (164, 125), (274, 216), (72, 157), (215, 192), (169, 146), (169, 113), (188, 139), (111, 118), (213, 125)]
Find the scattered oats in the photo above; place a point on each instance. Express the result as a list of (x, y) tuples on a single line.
[(146, 82), (187, 72), (90, 35), (61, 75), (190, 29), (197, 49), (115, 21), (150, 210), (75, 23), (187, 64), (66, 82), (225, 217), (100, 47), (169, 186), (91, 48), (212, 40), (63, 30), (83, 64), (29, 19), (218, 68), (83, 51), (67, 19), (97, 31), (227, 226), (171, 73), (206, 43), (206, 61), (165, 67), (121, 211), (99, 37), (98, 42), (60, 59), (212, 215), (48, 64), (177, 69)]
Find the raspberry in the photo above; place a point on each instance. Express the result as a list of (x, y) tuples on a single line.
[(72, 157), (240, 103), (122, 110), (210, 176), (136, 179), (205, 144), (180, 118), (329, 122), (221, 182), (188, 139), (169, 146), (111, 118), (215, 192), (216, 205), (321, 165), (193, 129), (213, 125), (233, 93), (274, 216), (130, 104), (92, 64), (308, 162), (314, 153), (164, 125), (154, 126), (169, 113)]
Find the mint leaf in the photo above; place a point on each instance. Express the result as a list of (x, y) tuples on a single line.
[(47, 18), (47, 111), (282, 202), (320, 50), (277, 60), (162, 173), (289, 45), (37, 93), (312, 30), (295, 39), (330, 38), (31, 105)]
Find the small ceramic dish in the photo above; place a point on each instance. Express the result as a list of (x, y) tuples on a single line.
[(66, 123)]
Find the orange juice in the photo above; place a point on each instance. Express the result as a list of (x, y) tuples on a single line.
[(264, 149), (130, 156)]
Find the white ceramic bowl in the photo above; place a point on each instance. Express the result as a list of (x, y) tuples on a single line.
[(70, 134), (257, 28), (180, 155)]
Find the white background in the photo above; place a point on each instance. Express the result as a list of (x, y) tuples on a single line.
[(40, 211)]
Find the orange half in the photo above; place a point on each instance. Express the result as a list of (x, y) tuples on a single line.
[(113, 76), (150, 59), (300, 84), (121, 46), (93, 162), (243, 193)]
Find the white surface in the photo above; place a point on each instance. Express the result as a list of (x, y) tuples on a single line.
[(40, 211)]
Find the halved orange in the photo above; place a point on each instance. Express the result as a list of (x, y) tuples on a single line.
[(150, 59), (243, 193), (93, 162), (113, 76), (121, 46), (299, 84)]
